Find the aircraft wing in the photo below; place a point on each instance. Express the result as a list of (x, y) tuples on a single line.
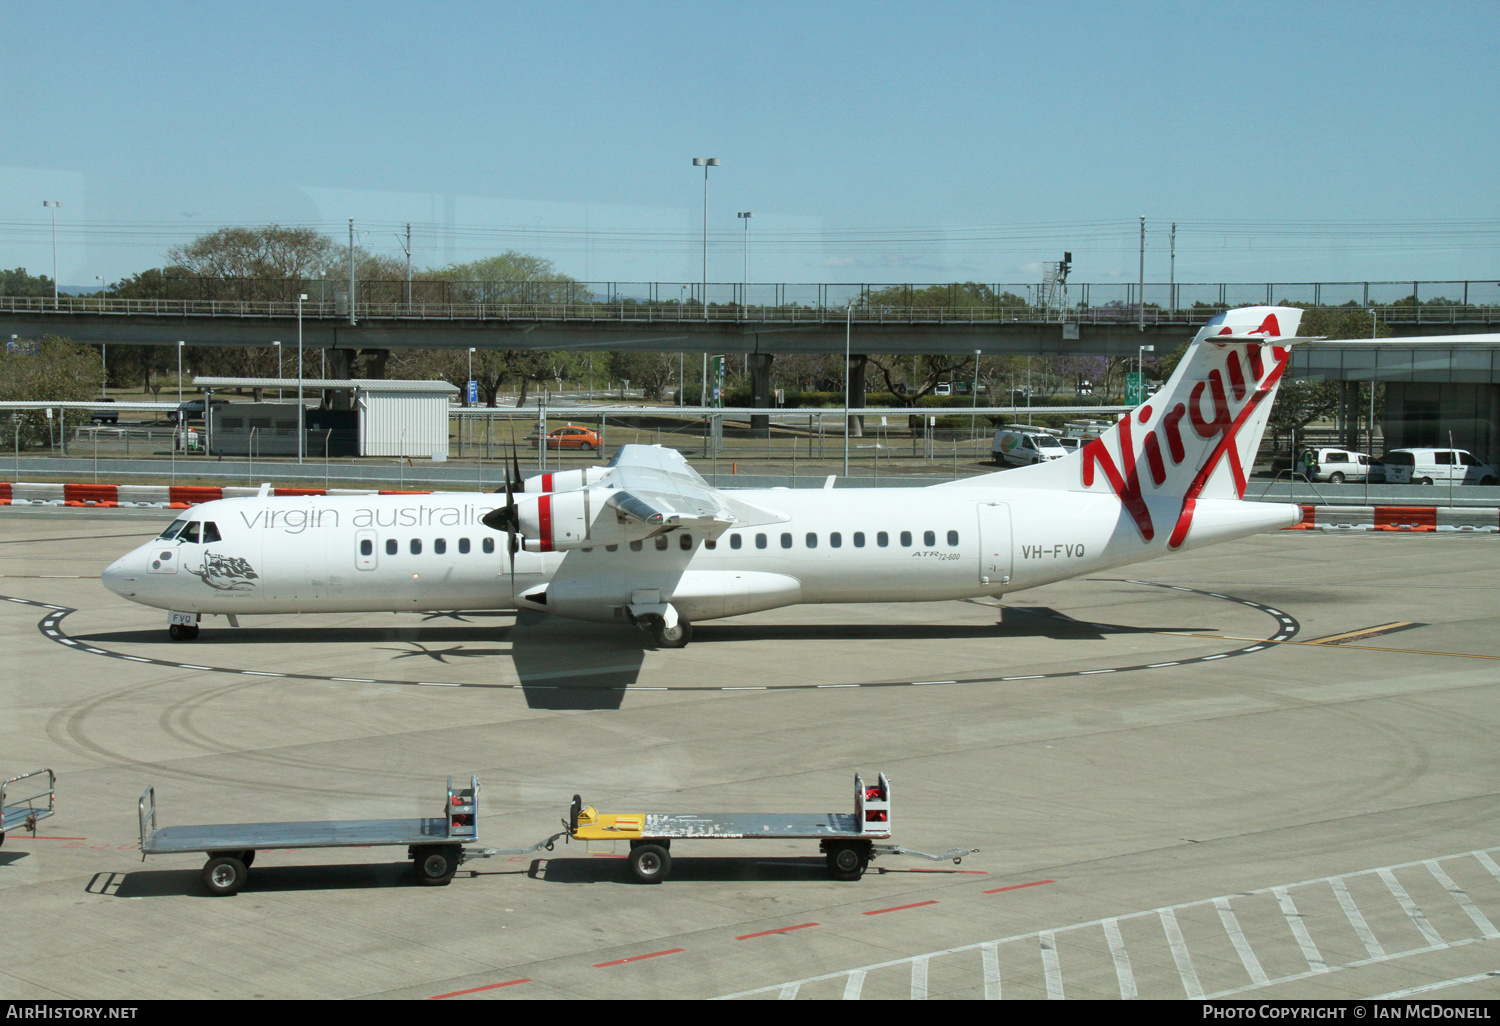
[(656, 486)]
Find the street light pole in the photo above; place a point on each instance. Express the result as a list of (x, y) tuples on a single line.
[(279, 375), (1140, 297), (848, 328), (746, 215), (471, 375), (705, 163), (301, 412), (54, 204)]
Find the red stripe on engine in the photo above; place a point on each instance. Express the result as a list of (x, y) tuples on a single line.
[(544, 519), (546, 482)]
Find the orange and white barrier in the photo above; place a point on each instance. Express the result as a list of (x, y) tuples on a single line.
[(166, 496), (1399, 518)]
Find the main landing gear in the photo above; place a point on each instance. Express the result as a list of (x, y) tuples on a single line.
[(662, 636)]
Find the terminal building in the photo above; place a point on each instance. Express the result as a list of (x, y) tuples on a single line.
[(344, 417), (1436, 389)]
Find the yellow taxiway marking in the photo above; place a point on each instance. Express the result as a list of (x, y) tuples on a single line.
[(1384, 628), (1316, 644)]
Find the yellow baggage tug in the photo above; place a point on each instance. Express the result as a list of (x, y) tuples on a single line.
[(846, 840)]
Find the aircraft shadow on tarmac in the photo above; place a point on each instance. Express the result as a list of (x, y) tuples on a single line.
[(8, 858), (563, 664)]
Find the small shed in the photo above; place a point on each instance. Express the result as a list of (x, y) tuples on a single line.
[(396, 418)]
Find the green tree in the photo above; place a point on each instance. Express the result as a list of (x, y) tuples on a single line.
[(19, 283), (269, 262), (46, 369), (510, 277)]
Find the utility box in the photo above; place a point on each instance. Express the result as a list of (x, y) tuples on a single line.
[(403, 418)]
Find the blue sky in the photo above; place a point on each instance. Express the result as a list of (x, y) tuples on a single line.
[(877, 141)]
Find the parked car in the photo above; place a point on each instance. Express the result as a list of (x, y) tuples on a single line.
[(1437, 466), (943, 388), (571, 436), (105, 416), (191, 410), (1019, 448), (1339, 465)]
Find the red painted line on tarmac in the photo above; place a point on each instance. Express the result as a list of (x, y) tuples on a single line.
[(899, 908), (784, 929), (41, 838), (476, 990), (637, 958), (1017, 887)]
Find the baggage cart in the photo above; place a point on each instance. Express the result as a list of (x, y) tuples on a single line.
[(435, 846), (847, 840), (25, 811)]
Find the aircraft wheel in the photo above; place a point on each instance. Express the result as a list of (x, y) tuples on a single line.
[(436, 865), (224, 875), (182, 631), (650, 863), (672, 637), (847, 862), (247, 857)]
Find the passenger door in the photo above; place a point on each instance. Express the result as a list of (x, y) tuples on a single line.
[(994, 544)]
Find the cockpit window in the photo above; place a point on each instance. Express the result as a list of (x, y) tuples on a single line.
[(172, 529), (210, 532), (191, 534)]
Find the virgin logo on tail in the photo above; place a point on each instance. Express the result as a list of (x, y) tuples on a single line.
[(1220, 426)]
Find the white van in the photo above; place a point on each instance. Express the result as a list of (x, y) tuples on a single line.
[(1337, 465), (1437, 466), (1014, 447)]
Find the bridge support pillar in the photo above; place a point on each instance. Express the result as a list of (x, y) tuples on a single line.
[(856, 372), (760, 392), (340, 366)]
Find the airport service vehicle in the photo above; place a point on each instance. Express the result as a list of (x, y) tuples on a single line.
[(435, 846), (192, 409), (1437, 466), (572, 436), (1014, 447), (847, 840), (24, 811), (1339, 465), (645, 541)]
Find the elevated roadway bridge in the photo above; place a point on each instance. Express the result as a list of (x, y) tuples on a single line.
[(807, 318)]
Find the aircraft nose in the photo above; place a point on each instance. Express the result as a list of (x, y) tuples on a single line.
[(120, 576)]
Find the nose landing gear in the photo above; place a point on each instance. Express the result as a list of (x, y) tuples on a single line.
[(183, 626)]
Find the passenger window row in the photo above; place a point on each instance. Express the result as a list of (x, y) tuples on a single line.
[(836, 540), (414, 546)]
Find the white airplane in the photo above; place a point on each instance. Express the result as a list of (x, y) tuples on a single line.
[(646, 541)]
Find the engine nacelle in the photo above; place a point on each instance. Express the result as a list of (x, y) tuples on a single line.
[(565, 480), (577, 519)]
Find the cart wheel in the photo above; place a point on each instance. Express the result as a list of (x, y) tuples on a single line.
[(846, 862), (247, 857), (436, 865), (224, 874), (2, 836), (650, 863)]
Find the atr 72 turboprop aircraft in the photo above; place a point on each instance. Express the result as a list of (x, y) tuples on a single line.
[(646, 541)]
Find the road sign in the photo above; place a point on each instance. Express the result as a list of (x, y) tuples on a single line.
[(473, 392), (1135, 388)]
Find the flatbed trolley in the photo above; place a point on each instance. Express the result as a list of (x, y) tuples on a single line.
[(25, 812), (435, 846), (846, 840)]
